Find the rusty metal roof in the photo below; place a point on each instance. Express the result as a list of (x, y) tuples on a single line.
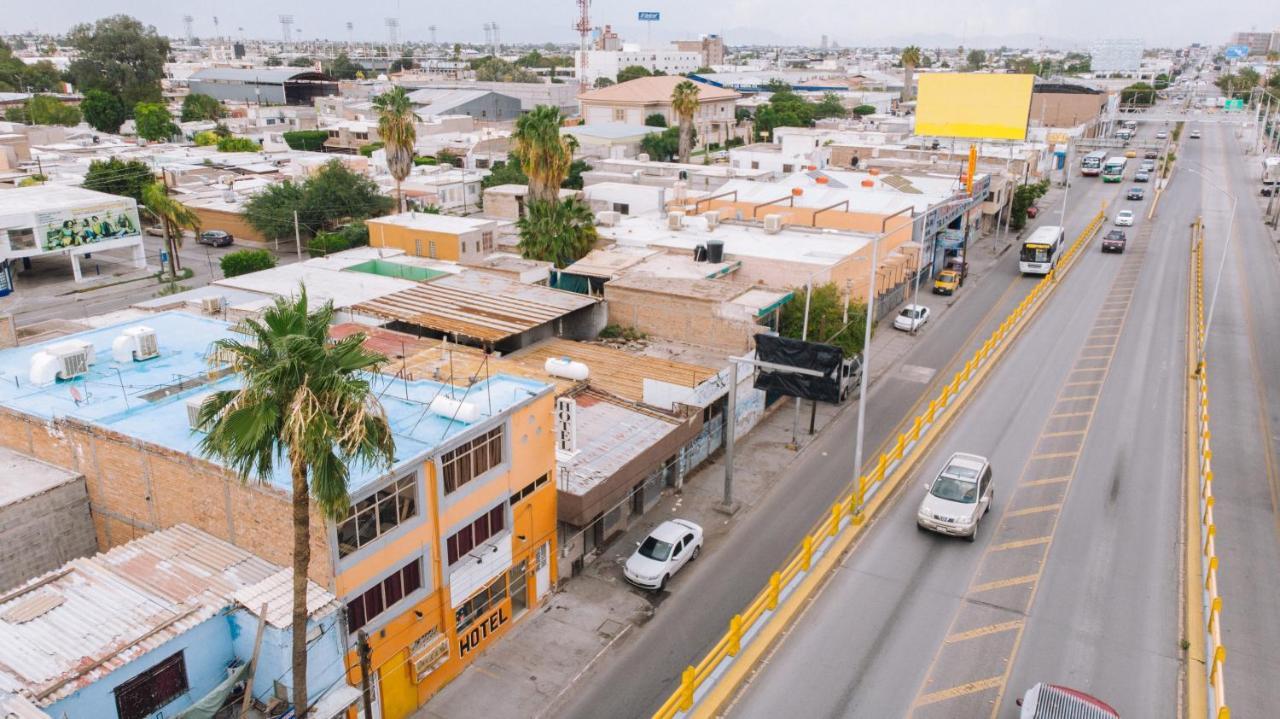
[(276, 592), (69, 628)]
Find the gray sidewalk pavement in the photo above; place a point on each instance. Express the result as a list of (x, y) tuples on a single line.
[(536, 665)]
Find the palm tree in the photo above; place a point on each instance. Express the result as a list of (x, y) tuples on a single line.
[(910, 61), (174, 216), (396, 127), (307, 398), (560, 232), (545, 155), (684, 102)]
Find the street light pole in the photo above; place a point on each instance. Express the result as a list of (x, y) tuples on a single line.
[(1217, 280)]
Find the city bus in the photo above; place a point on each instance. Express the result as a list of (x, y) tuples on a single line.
[(1091, 165), (1041, 249), (1113, 170)]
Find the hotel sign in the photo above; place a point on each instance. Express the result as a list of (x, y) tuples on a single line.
[(480, 631)]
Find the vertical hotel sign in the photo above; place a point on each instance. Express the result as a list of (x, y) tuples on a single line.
[(87, 224)]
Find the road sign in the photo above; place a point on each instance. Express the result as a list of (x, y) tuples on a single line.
[(647, 16)]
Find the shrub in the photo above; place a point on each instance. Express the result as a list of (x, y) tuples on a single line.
[(242, 262), (428, 160), (206, 138), (371, 148), (238, 144), (864, 110), (312, 140), (327, 243)]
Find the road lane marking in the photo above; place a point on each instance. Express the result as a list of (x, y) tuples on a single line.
[(984, 631), (1020, 543), (1066, 433), (1033, 510), (957, 691), (1053, 455), (1046, 480), (1002, 583)]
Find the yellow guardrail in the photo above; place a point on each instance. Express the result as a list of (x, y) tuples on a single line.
[(1211, 612), (706, 686)]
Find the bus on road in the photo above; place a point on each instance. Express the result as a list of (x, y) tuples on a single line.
[(1113, 170), (1041, 249), (1091, 165)]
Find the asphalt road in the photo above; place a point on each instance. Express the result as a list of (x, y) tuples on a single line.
[(1074, 577), (641, 672)]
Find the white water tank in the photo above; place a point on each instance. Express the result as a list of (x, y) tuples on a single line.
[(462, 411), (44, 368), (566, 368), (675, 220)]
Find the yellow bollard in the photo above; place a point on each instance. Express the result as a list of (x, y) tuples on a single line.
[(1223, 713), (836, 510), (915, 428), (775, 588), (900, 446), (1219, 658), (735, 635), (1215, 608), (806, 553), (880, 464), (1213, 567), (686, 688)]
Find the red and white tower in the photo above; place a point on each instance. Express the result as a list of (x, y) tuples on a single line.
[(584, 34)]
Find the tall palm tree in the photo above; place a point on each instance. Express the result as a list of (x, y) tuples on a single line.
[(307, 398), (174, 216), (396, 127), (545, 155), (684, 102), (560, 232), (910, 61)]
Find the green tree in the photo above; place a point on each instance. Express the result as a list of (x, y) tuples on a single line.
[(494, 69), (910, 61), (273, 61), (310, 140), (558, 231), (341, 68), (369, 149), (103, 111), (206, 138), (302, 61), (49, 110), (1161, 81), (784, 109), (174, 218), (1139, 93), (238, 144), (829, 106), (684, 103), (332, 197), (1239, 83), (656, 119), (153, 121), (976, 59), (42, 76), (827, 323), (121, 56), (703, 70), (631, 72), (126, 178), (12, 70), (197, 107), (505, 173), (603, 81), (445, 157), (545, 154), (573, 181), (1023, 197), (661, 146), (396, 128), (242, 262), (306, 398), (864, 110)]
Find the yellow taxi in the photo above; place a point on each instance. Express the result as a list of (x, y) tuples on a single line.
[(1131, 154), (946, 282)]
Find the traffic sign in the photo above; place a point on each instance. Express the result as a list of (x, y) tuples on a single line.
[(1235, 52), (648, 16)]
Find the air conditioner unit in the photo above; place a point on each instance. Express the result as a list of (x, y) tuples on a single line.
[(73, 357), (212, 305), (713, 218), (194, 405), (675, 220), (773, 224), (136, 343)]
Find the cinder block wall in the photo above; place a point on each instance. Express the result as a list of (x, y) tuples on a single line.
[(42, 532), (677, 318)]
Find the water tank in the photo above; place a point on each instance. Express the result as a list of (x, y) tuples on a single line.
[(566, 368), (715, 250), (868, 183), (44, 368), (464, 412), (700, 253)]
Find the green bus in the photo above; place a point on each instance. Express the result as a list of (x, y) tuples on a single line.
[(1113, 171)]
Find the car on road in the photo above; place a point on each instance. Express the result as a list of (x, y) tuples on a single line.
[(911, 318), (956, 500), (1195, 135), (1114, 241), (1150, 155), (1142, 176), (215, 238), (1124, 218), (1162, 135), (1147, 166), (946, 283), (670, 546), (1135, 193), (1131, 154), (1052, 701)]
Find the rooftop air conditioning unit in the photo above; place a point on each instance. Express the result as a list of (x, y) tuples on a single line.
[(212, 305), (194, 405), (135, 344), (713, 218), (773, 224), (675, 220), (608, 218), (74, 358), (642, 157)]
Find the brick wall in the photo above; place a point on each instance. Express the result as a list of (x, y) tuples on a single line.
[(136, 487), (44, 531), (677, 318), (8, 332)]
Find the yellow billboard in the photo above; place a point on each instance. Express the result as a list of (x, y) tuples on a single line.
[(974, 105)]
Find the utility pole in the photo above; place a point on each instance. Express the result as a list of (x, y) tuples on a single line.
[(804, 337), (730, 426), (297, 235), (365, 652), (253, 663)]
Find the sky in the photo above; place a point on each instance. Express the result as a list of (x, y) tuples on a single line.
[(930, 23)]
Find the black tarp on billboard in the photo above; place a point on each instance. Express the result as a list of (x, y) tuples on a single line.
[(806, 355)]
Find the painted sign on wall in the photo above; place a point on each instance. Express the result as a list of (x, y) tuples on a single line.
[(86, 225), (481, 630)]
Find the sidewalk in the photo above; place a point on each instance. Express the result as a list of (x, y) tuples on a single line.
[(538, 662)]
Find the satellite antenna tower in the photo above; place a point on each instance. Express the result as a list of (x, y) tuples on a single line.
[(286, 28), (584, 34), (187, 22), (432, 30), (393, 25)]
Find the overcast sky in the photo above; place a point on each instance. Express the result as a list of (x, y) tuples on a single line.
[(847, 22)]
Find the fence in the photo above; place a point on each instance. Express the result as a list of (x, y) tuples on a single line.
[(1215, 658), (705, 687)]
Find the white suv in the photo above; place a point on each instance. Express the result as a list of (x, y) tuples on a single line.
[(955, 502), (1124, 218)]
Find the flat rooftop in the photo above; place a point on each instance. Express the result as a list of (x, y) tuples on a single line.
[(609, 436), (447, 224), (740, 241), (40, 198), (147, 400), (22, 476)]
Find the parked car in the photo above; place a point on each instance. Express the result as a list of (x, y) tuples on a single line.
[(946, 283), (670, 546), (956, 500), (1124, 218), (1114, 241), (215, 238), (912, 317), (1142, 176), (1195, 135), (1051, 701), (1135, 193), (850, 376)]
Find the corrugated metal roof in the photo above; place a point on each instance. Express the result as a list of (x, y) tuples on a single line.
[(261, 75), (100, 613), (276, 591)]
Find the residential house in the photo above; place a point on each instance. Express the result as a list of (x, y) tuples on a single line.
[(629, 103)]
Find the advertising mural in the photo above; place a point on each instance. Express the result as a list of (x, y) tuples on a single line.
[(86, 225)]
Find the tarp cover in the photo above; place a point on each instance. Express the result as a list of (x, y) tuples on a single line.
[(807, 355), (213, 701)]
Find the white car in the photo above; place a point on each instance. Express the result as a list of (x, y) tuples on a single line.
[(1124, 218), (912, 317), (958, 498), (670, 546)]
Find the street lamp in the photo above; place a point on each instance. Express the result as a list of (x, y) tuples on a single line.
[(1217, 280)]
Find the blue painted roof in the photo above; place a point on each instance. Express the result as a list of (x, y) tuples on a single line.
[(130, 397)]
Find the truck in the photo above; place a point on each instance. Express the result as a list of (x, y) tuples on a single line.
[(1270, 176)]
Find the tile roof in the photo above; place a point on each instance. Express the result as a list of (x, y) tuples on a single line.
[(644, 90)]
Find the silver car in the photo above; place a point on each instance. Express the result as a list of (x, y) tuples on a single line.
[(955, 502)]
